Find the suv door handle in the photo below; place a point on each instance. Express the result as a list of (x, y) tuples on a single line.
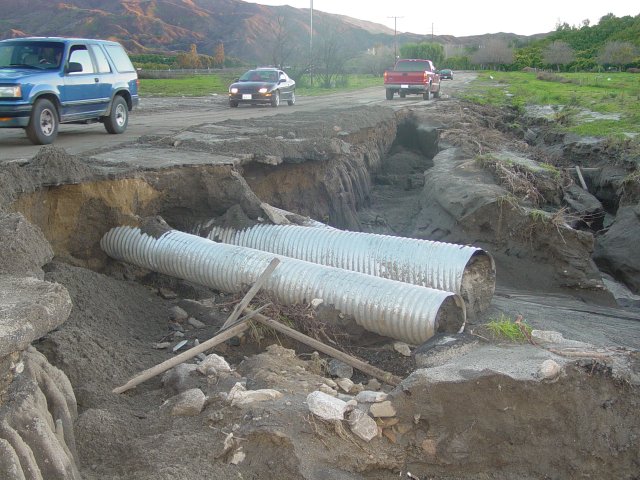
[(96, 79)]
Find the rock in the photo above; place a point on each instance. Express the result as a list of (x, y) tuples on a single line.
[(316, 302), (330, 382), (177, 314), (195, 323), (617, 250), (362, 425), (199, 309), (239, 396), (587, 206), (29, 309), (214, 365), (167, 294), (24, 247), (402, 348), (374, 384), (339, 369), (549, 370), (442, 347), (345, 384), (325, 406), (324, 388), (188, 403), (177, 379), (546, 336), (368, 396), (382, 409)]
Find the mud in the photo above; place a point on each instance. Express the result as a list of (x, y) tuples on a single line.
[(482, 411)]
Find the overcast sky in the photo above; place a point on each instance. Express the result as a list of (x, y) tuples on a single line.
[(471, 17)]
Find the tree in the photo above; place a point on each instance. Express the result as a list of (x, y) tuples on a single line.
[(218, 56), (331, 55), (424, 50), (283, 44), (527, 57), (558, 53), (494, 53), (189, 60), (617, 53)]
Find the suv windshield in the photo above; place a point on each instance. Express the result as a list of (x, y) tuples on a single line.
[(41, 55)]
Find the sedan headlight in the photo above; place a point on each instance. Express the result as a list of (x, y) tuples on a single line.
[(233, 90), (263, 90), (10, 91)]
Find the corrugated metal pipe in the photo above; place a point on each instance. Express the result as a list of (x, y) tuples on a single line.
[(394, 309), (468, 271)]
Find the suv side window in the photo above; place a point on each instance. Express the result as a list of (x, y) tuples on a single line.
[(120, 58), (80, 54), (101, 59)]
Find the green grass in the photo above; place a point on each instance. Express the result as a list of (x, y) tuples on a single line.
[(612, 93), (505, 328), (218, 83)]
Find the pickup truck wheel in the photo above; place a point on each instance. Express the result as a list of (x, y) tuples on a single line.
[(233, 103), (427, 93), (275, 99), (43, 123), (118, 119), (389, 94), (437, 94), (403, 94)]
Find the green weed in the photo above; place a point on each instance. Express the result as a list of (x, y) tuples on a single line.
[(505, 328)]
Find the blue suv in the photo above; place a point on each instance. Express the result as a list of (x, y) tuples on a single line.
[(48, 81)]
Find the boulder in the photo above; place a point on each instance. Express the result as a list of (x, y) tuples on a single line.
[(587, 207), (29, 309), (24, 248), (617, 250), (325, 406)]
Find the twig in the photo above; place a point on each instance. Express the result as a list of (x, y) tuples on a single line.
[(375, 372)]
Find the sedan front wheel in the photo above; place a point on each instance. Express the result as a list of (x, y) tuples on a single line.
[(275, 98)]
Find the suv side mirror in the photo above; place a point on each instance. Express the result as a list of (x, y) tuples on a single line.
[(74, 67)]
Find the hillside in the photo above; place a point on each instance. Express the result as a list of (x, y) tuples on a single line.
[(247, 31)]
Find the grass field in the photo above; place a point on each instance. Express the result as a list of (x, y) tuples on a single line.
[(614, 98), (203, 85)]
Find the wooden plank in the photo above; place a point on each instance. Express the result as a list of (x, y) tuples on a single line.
[(251, 293)]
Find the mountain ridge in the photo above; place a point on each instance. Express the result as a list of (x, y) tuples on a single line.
[(247, 30)]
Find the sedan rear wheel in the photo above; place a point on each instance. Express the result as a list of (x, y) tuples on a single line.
[(292, 100), (275, 99)]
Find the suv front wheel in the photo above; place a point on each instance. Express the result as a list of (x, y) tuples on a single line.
[(118, 119), (43, 123)]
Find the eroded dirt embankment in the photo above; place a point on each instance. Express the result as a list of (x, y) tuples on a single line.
[(485, 410)]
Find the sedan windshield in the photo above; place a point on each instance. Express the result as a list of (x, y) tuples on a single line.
[(260, 76), (41, 55)]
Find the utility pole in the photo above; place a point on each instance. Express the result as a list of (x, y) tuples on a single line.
[(432, 31), (311, 43), (395, 37)]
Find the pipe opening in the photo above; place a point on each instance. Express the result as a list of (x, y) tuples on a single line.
[(451, 315)]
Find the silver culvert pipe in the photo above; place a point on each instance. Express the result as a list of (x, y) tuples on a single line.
[(468, 271), (394, 309)]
